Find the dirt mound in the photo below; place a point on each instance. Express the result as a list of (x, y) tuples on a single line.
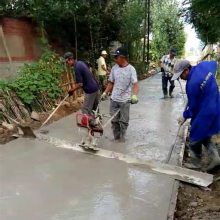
[(196, 203), (67, 108)]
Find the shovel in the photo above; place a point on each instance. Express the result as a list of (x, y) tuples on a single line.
[(50, 116), (173, 145)]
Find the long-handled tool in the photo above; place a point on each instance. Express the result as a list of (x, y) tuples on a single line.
[(178, 132), (94, 125), (50, 116), (173, 145), (184, 99)]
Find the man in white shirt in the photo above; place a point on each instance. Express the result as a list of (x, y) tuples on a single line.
[(167, 65), (102, 69), (123, 84)]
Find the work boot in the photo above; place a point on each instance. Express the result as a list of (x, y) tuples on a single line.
[(171, 95), (165, 96), (194, 161), (116, 134), (214, 156)]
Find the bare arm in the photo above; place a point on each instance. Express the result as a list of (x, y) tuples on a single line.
[(103, 67), (109, 87), (76, 87), (135, 88)]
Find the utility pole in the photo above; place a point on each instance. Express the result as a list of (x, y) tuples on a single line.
[(145, 29)]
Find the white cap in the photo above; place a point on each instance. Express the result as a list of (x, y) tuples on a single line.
[(179, 67), (103, 52)]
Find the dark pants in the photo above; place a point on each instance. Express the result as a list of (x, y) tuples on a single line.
[(196, 146), (121, 120), (90, 103), (102, 81), (165, 83)]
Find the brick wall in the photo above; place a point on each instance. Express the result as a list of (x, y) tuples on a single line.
[(21, 39), (22, 42)]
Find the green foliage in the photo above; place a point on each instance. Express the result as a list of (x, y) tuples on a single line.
[(168, 30), (95, 19), (205, 17), (131, 30), (36, 79), (132, 16)]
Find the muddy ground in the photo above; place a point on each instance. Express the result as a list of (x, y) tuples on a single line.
[(197, 203)]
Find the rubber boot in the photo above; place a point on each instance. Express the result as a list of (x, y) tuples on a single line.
[(122, 138), (195, 161), (171, 95), (116, 132), (214, 156), (171, 91), (165, 96)]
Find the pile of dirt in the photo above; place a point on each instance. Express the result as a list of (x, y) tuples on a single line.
[(66, 109), (194, 203)]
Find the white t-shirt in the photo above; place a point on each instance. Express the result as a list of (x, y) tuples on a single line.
[(101, 61), (168, 65), (123, 79)]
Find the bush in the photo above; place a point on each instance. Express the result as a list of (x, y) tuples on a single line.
[(37, 79), (140, 68)]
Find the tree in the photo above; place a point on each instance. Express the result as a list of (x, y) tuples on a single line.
[(131, 30), (167, 29), (205, 16), (95, 19)]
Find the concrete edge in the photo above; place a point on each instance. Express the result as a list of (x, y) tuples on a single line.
[(176, 184)]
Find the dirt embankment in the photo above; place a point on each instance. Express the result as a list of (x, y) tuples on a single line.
[(195, 203), (6, 134)]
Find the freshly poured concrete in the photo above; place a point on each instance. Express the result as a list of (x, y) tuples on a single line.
[(41, 182)]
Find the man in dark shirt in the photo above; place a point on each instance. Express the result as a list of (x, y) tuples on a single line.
[(85, 80)]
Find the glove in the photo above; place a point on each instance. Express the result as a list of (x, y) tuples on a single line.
[(104, 96), (181, 120), (70, 92), (134, 99)]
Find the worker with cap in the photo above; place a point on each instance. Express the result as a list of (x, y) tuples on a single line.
[(203, 109), (123, 85), (102, 70), (167, 63), (84, 79)]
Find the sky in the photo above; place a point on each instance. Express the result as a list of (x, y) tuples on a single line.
[(193, 45)]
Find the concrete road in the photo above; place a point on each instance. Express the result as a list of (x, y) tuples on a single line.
[(41, 182)]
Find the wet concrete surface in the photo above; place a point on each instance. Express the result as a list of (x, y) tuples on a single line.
[(41, 182)]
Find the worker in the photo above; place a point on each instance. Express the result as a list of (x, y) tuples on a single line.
[(85, 80), (203, 109), (102, 70), (167, 63), (123, 84)]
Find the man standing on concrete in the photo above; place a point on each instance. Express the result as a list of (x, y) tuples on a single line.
[(123, 84), (203, 108), (85, 80), (167, 64), (102, 70)]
